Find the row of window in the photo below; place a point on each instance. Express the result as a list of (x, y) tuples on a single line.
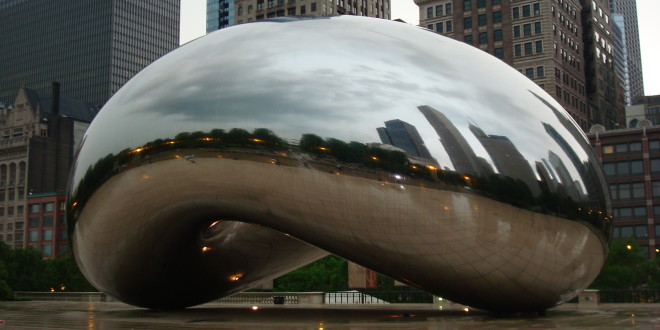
[(47, 249), (483, 37), (10, 211), (467, 4), (639, 232), (442, 27), (627, 191), (529, 48), (526, 29), (440, 10), (10, 226), (633, 212), (530, 72), (628, 147), (47, 235), (626, 168), (45, 221), (527, 10), (482, 20)]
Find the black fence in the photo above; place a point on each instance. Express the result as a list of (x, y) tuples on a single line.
[(638, 296)]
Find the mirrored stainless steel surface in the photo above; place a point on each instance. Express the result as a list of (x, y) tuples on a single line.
[(254, 150)]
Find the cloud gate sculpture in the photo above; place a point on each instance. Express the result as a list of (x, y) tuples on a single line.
[(259, 148)]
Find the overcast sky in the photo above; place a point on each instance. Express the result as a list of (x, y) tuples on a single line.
[(193, 25)]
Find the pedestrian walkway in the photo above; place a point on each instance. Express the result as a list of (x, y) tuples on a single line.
[(114, 315)]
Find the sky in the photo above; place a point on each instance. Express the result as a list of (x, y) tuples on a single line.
[(193, 25)]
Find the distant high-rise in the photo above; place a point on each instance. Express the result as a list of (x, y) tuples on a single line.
[(628, 8), (224, 13), (91, 47), (405, 136), (563, 46)]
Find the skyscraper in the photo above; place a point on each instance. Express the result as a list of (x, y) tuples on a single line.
[(545, 40), (224, 13), (91, 47), (628, 8)]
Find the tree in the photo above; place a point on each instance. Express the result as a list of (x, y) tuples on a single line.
[(327, 274), (624, 267)]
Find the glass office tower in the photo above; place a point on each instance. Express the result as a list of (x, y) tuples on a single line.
[(91, 47)]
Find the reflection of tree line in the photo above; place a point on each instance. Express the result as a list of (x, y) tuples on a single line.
[(502, 188)]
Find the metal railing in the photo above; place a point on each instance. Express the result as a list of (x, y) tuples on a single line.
[(378, 297), (635, 296)]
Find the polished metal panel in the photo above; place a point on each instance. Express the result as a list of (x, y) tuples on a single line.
[(254, 150)]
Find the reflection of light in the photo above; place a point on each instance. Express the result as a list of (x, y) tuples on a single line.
[(446, 208), (146, 177), (219, 156), (629, 247), (256, 140), (432, 168), (374, 157), (413, 167), (170, 142), (466, 309), (283, 154), (235, 277), (214, 223), (398, 176), (439, 298), (254, 308), (337, 173), (177, 156), (205, 249), (74, 204), (324, 148), (136, 150), (657, 250), (467, 178), (52, 290), (62, 288)]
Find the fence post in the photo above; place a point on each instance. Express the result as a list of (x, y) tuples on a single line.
[(589, 298)]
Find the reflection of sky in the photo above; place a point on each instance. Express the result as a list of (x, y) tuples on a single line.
[(340, 77)]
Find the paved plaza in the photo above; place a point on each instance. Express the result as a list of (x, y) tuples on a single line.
[(104, 315)]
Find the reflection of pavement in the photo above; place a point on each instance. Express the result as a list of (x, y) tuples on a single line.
[(69, 315)]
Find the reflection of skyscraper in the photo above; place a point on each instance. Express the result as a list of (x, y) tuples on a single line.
[(404, 136), (572, 187), (507, 159), (460, 153)]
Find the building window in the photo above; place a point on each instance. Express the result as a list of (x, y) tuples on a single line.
[(482, 19), (497, 35), (49, 207), (625, 168), (537, 28), (34, 236), (47, 250), (48, 221), (483, 38), (303, 10), (540, 72), (537, 9), (641, 232), (654, 145), (438, 27), (63, 235), (468, 39), (438, 10), (34, 222), (516, 12), (467, 5), (291, 11), (499, 53), (527, 29), (526, 11), (517, 50), (497, 2), (467, 22), (539, 46), (528, 48), (48, 235), (481, 3), (313, 6), (448, 9), (497, 17), (626, 213), (516, 31), (35, 208), (430, 27), (429, 12), (529, 72), (448, 26)]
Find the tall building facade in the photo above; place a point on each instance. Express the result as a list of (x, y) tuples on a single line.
[(223, 13), (628, 8), (543, 39), (91, 47), (39, 135), (631, 160)]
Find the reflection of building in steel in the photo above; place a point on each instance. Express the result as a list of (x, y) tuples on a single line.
[(507, 159), (404, 136), (460, 153), (572, 187)]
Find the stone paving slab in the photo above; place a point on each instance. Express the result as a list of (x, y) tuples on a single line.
[(75, 315)]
